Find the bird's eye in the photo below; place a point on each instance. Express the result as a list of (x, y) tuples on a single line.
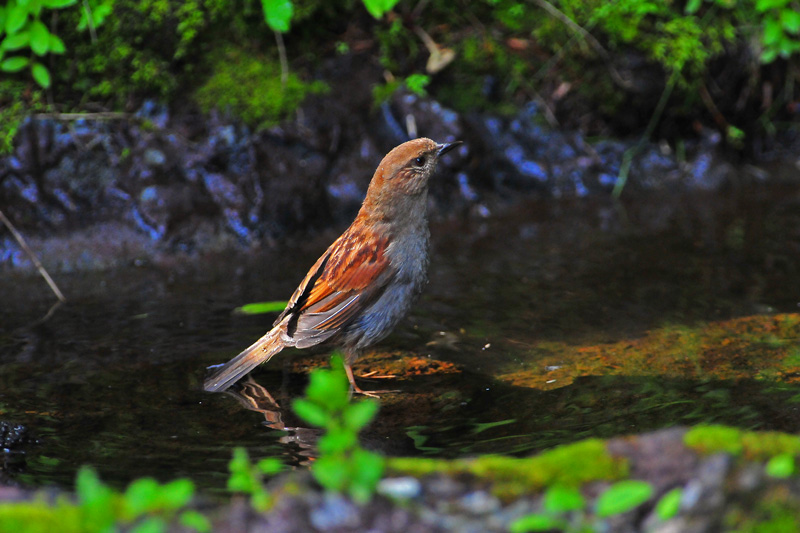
[(419, 162)]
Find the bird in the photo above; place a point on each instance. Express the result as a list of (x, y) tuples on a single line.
[(367, 280)]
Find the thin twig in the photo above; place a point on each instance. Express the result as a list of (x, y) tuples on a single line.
[(100, 115), (630, 153), (88, 12), (585, 35), (284, 61), (560, 15), (21, 240)]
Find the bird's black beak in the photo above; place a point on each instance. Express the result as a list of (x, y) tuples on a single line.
[(443, 148)]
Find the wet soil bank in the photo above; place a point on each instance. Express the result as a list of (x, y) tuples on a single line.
[(106, 191)]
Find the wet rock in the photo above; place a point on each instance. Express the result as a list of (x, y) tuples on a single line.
[(190, 183), (335, 512), (404, 488)]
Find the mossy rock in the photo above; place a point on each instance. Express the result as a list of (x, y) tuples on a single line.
[(252, 88)]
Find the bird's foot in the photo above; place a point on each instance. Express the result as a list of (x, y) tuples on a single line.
[(355, 389), (374, 375)]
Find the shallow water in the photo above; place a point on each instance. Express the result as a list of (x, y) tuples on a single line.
[(113, 378)]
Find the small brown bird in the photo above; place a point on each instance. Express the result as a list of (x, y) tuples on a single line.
[(366, 281)]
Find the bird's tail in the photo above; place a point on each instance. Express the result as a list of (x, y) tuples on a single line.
[(259, 352)]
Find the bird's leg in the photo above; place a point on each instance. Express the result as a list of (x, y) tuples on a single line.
[(349, 359), (354, 388)]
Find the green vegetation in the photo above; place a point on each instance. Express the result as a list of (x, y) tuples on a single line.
[(564, 508), (26, 39), (259, 308), (250, 87), (343, 465), (570, 465), (145, 506), (248, 478), (493, 54), (759, 446)]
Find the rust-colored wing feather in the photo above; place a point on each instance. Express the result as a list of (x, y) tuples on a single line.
[(347, 278)]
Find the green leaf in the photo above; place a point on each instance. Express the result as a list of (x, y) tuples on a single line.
[(366, 471), (16, 41), (357, 415), (259, 308), (261, 501), (34, 8), (536, 522), (311, 412), (152, 524), (58, 4), (242, 482), (242, 478), (270, 466), (768, 55), (790, 20), (196, 521), (767, 5), (14, 64), (95, 498), (781, 466), (41, 75), (176, 494), (559, 499), (331, 472), (329, 387), (623, 496), (377, 8), (40, 38), (278, 14), (56, 45), (337, 440), (16, 17), (773, 32), (669, 504), (692, 6), (141, 496)]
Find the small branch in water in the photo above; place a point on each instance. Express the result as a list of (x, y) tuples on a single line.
[(21, 240), (102, 115)]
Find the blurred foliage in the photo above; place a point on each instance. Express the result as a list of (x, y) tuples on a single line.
[(731, 62), (249, 86), (146, 505), (248, 478), (343, 465)]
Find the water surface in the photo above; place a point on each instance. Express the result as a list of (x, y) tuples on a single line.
[(113, 378)]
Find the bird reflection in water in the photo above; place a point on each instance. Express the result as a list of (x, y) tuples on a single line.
[(255, 397)]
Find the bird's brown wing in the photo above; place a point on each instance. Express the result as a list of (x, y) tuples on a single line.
[(347, 278)]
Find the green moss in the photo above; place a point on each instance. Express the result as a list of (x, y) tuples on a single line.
[(754, 445), (777, 512), (572, 464), (39, 517), (250, 88)]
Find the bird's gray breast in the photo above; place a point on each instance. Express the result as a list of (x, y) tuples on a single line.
[(409, 258)]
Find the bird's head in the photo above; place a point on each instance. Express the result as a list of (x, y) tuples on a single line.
[(402, 177)]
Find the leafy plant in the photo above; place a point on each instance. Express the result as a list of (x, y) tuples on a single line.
[(343, 465), (781, 466), (564, 508), (669, 504), (21, 28), (247, 477), (145, 506)]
